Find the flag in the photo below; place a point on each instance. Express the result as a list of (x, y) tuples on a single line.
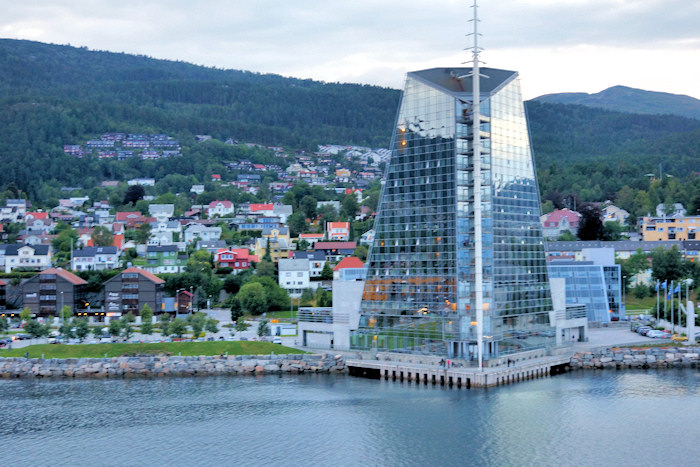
[(677, 289), (663, 286), (656, 289)]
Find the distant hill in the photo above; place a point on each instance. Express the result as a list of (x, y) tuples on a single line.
[(631, 100)]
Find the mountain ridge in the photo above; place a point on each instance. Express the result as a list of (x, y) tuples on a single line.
[(630, 100)]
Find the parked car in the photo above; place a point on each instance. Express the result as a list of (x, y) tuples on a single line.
[(643, 330), (679, 338), (277, 340), (656, 334)]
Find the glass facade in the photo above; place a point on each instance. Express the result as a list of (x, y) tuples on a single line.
[(419, 294), (595, 286)]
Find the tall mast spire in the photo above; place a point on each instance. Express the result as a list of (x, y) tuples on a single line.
[(476, 132)]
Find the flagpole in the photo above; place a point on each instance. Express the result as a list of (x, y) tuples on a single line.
[(658, 285), (665, 286), (673, 323)]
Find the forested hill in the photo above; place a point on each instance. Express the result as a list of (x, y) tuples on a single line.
[(52, 95), (631, 100), (108, 91)]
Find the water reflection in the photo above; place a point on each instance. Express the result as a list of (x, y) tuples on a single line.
[(601, 418)]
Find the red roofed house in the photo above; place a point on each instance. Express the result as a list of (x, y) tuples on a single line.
[(220, 208), (262, 209), (557, 222), (350, 268), (237, 259), (130, 290), (338, 231), (49, 291), (311, 238), (124, 216), (38, 222), (215, 177)]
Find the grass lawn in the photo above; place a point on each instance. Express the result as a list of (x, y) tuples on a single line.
[(284, 315), (633, 304), (167, 348)]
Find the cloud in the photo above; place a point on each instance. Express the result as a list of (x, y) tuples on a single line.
[(376, 41)]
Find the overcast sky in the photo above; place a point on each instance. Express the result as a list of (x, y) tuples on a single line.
[(556, 45)]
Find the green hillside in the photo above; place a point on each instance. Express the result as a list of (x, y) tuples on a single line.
[(52, 95)]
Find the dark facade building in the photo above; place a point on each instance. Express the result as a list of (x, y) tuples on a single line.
[(458, 259), (130, 290), (49, 291)]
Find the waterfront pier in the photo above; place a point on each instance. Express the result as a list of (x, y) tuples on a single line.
[(455, 375)]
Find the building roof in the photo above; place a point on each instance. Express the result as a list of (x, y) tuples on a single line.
[(37, 215), (335, 245), (224, 203), (144, 273), (338, 225), (293, 264), (448, 81), (311, 235), (349, 262), (310, 255), (556, 216), (67, 275), (261, 207), (12, 250), (124, 216), (95, 250)]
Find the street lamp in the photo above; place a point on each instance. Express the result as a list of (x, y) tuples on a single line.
[(624, 302)]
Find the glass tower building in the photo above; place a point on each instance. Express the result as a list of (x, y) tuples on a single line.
[(420, 292)]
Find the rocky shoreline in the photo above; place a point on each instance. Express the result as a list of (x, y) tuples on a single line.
[(651, 357), (161, 365)]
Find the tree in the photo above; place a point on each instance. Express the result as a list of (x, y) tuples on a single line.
[(66, 329), (82, 329), (349, 207), (26, 314), (146, 320), (165, 324), (666, 264), (327, 272), (265, 268), (178, 327), (101, 236), (133, 194), (142, 233), (200, 262), (66, 313), (308, 206), (197, 322), (263, 328), (36, 329), (4, 326), (612, 231), (361, 251), (590, 225), (242, 325), (566, 236), (253, 298), (212, 326), (115, 328)]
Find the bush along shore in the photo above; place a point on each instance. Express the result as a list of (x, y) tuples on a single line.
[(161, 365), (651, 357)]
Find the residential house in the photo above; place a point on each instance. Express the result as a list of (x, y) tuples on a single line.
[(350, 268), (220, 208), (238, 259), (141, 181), (317, 259), (559, 221), (165, 233), (96, 258), (612, 213), (162, 212), (49, 291), (280, 232), (335, 251), (130, 290), (211, 247), (670, 210), (165, 259), (197, 189), (367, 238), (279, 248), (670, 228), (294, 276), (338, 231), (28, 257), (38, 222), (311, 238), (202, 232)]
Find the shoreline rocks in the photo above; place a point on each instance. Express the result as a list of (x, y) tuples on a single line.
[(160, 365), (643, 358)]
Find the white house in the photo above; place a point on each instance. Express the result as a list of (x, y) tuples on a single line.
[(317, 259), (95, 258), (197, 189), (162, 212), (164, 233), (36, 257), (294, 276), (202, 232), (220, 208)]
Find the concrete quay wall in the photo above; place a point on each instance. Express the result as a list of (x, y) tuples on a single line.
[(650, 357), (170, 366)]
